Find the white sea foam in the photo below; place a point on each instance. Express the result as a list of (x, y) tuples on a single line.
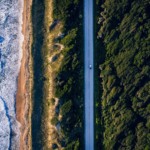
[(11, 40)]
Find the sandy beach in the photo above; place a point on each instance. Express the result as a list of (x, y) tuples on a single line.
[(23, 97)]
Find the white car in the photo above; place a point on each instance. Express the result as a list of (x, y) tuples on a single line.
[(90, 66)]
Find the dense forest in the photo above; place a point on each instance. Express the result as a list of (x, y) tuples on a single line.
[(124, 28), (69, 78)]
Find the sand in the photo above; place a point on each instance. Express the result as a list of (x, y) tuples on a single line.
[(51, 132), (23, 97)]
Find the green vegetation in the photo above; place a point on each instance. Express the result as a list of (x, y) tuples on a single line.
[(99, 57), (38, 79), (52, 101), (54, 120), (69, 78), (124, 29)]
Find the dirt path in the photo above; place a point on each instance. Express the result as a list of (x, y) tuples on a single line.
[(60, 45), (23, 97)]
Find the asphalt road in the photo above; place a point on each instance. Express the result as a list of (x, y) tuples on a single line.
[(88, 74)]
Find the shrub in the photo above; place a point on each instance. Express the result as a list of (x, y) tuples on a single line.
[(54, 120)]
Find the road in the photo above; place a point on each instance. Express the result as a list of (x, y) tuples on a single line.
[(88, 74)]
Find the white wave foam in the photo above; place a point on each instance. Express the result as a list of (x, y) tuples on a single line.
[(10, 61), (4, 128)]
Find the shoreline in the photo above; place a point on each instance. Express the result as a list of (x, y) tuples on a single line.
[(23, 95)]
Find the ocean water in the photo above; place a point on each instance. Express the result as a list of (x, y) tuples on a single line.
[(11, 39)]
